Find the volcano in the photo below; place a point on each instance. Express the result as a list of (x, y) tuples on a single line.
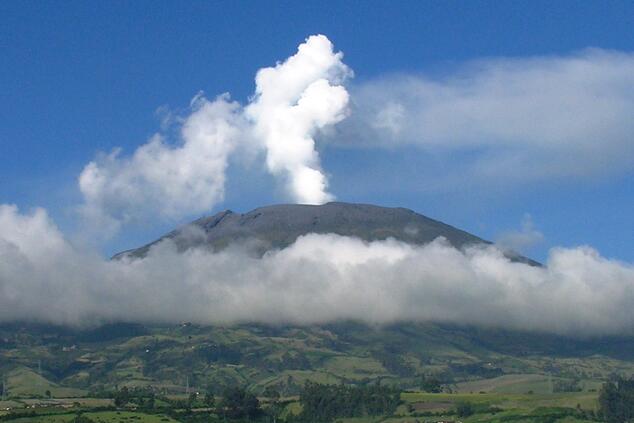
[(278, 226)]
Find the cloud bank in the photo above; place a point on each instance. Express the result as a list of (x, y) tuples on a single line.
[(320, 278), (514, 119)]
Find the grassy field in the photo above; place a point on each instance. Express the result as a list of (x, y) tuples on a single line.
[(416, 407), (521, 384), (101, 417), (508, 407), (24, 382), (586, 400), (421, 407)]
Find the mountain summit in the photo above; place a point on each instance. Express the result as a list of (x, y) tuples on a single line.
[(278, 226)]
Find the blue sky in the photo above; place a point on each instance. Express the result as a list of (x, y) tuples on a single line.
[(79, 78)]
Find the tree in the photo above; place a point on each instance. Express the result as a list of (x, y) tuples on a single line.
[(192, 399), (431, 384), (151, 402), (81, 419), (238, 403), (464, 409), (274, 409), (616, 401), (209, 399), (122, 397), (325, 403), (47, 393), (271, 393)]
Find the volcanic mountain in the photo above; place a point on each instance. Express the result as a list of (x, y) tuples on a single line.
[(278, 226)]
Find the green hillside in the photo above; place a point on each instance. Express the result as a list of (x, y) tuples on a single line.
[(36, 359)]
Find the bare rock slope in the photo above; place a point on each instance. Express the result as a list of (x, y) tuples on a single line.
[(278, 226)]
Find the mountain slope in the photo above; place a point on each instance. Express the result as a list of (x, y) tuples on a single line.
[(35, 358), (278, 226)]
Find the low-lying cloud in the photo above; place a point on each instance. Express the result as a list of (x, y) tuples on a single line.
[(521, 240), (319, 278)]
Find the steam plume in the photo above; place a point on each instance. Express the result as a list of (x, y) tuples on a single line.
[(292, 101)]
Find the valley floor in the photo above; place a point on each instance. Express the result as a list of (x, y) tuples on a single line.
[(416, 407)]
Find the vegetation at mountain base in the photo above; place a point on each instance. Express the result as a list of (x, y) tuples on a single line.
[(324, 403), (346, 372), (329, 405), (42, 361), (616, 401)]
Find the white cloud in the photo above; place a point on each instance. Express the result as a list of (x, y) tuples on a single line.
[(161, 179), (508, 119), (294, 100), (493, 122), (320, 278), (523, 239), (511, 119)]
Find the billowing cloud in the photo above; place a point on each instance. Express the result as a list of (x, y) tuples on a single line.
[(498, 121), (506, 119), (163, 179), (320, 278), (294, 100)]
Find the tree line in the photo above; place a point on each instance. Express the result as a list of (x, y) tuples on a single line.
[(324, 403), (616, 401)]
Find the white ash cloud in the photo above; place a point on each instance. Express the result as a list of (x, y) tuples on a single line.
[(294, 100), (320, 278)]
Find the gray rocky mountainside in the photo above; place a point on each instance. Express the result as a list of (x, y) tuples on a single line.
[(278, 226)]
